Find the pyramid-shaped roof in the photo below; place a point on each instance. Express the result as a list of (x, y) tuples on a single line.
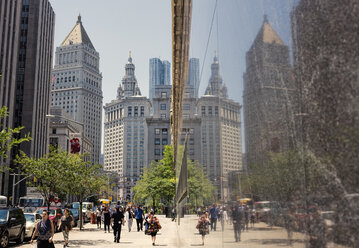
[(77, 35), (267, 34)]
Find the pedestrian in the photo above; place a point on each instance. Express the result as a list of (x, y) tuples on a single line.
[(202, 225), (139, 218), (253, 218), (317, 231), (153, 226), (221, 218), (290, 224), (214, 216), (98, 217), (44, 230), (118, 220), (66, 223), (130, 215), (107, 219), (246, 218), (174, 214), (237, 216)]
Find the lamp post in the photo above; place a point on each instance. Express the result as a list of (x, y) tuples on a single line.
[(77, 122), (13, 186)]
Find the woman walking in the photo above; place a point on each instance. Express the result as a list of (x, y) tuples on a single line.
[(130, 215), (45, 231), (153, 226), (98, 217), (66, 226), (107, 219), (202, 225)]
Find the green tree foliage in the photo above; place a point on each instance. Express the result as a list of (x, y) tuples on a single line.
[(9, 137), (158, 182)]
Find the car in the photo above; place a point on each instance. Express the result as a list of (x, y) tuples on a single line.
[(12, 226), (54, 215), (74, 212), (31, 220)]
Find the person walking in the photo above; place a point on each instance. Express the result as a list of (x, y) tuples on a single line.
[(130, 215), (237, 217), (66, 226), (290, 224), (98, 217), (202, 225), (253, 218), (107, 219), (246, 218), (45, 231), (214, 216), (139, 218), (317, 231), (174, 214), (153, 226), (118, 220)]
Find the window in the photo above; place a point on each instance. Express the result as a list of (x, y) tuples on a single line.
[(157, 141), (157, 131), (191, 131), (203, 110), (186, 107), (163, 106), (136, 111), (157, 151), (216, 110), (142, 111), (191, 141), (185, 116), (191, 151), (164, 131), (209, 110), (54, 131), (129, 111), (163, 116), (163, 94), (164, 142)]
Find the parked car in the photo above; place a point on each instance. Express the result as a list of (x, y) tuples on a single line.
[(31, 220), (54, 215), (262, 210), (12, 226)]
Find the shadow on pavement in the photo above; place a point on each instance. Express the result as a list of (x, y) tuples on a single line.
[(274, 241), (79, 243)]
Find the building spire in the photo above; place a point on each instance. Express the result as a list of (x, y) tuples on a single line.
[(79, 18), (265, 19), (129, 57)]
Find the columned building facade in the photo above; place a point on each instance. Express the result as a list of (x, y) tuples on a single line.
[(220, 133), (77, 84), (125, 141)]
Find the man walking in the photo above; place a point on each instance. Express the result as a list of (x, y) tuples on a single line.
[(139, 218), (214, 216), (118, 220), (237, 216)]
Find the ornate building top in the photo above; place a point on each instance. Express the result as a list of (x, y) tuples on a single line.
[(129, 85), (216, 86), (78, 35)]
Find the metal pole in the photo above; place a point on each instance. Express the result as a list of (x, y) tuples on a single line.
[(13, 190)]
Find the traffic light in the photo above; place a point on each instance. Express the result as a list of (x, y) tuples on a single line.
[(75, 145)]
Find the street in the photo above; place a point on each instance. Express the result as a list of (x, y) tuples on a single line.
[(185, 235)]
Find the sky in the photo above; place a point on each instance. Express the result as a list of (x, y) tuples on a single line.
[(143, 27)]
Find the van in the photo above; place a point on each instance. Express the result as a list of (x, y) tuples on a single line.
[(3, 201)]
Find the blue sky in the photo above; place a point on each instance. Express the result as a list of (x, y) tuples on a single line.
[(144, 27)]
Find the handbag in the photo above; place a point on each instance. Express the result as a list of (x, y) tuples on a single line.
[(51, 244)]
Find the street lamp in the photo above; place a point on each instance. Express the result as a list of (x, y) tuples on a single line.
[(13, 186), (79, 123)]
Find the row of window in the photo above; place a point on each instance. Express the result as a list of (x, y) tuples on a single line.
[(142, 111)]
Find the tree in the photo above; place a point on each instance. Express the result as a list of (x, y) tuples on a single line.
[(158, 181), (9, 137), (48, 171)]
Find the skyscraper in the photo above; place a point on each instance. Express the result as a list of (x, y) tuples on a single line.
[(77, 84), (27, 29), (193, 76), (160, 74), (125, 144), (220, 133), (268, 96)]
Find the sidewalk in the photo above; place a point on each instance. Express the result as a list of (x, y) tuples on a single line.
[(185, 235)]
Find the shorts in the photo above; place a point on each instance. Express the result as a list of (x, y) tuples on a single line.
[(66, 235), (203, 232), (153, 234)]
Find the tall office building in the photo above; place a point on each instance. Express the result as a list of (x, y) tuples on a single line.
[(268, 96), (27, 29), (220, 133), (160, 74), (125, 143), (77, 84), (193, 76)]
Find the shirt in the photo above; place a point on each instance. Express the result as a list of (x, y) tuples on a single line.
[(117, 218), (139, 213), (214, 213)]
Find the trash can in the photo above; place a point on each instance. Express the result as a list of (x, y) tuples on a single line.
[(93, 218)]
